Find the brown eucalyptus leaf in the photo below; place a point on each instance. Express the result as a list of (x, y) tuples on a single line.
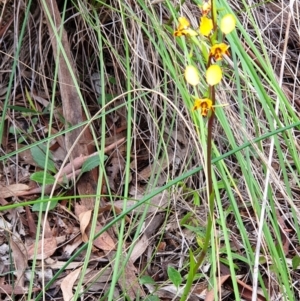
[(12, 190), (104, 241), (67, 284), (20, 261), (84, 219), (45, 248)]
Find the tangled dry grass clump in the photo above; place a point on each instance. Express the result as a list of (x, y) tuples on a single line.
[(128, 70)]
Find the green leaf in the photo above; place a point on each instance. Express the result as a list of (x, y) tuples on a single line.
[(91, 163), (295, 262), (28, 96), (38, 206), (151, 298), (174, 276), (13, 130), (200, 231), (112, 80), (109, 97), (146, 280), (226, 262), (39, 156), (196, 199), (39, 178), (22, 109), (186, 218)]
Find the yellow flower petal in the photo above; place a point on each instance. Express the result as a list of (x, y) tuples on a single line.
[(227, 23), (206, 26), (191, 75), (204, 104), (213, 75), (183, 28), (218, 50), (205, 8), (190, 32), (183, 23), (178, 33)]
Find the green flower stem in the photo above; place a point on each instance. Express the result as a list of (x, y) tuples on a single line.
[(210, 186), (209, 140), (214, 15), (194, 268)]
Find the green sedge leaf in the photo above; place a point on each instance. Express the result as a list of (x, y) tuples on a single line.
[(295, 262), (174, 276), (91, 163), (39, 178), (39, 156), (146, 280), (42, 206)]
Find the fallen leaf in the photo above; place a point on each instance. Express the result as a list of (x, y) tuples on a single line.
[(48, 249), (139, 248), (84, 219), (114, 168), (56, 265), (25, 155), (67, 284), (79, 209), (97, 280), (156, 167), (157, 203), (151, 226), (39, 99), (17, 290), (12, 190), (47, 229), (31, 223), (245, 290), (73, 245), (20, 261), (130, 283), (43, 275), (104, 241), (3, 202), (60, 239), (210, 295)]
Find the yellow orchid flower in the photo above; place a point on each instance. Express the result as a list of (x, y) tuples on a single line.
[(191, 75), (218, 50), (184, 23), (184, 29), (227, 23), (206, 26), (204, 104), (213, 75), (205, 8)]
